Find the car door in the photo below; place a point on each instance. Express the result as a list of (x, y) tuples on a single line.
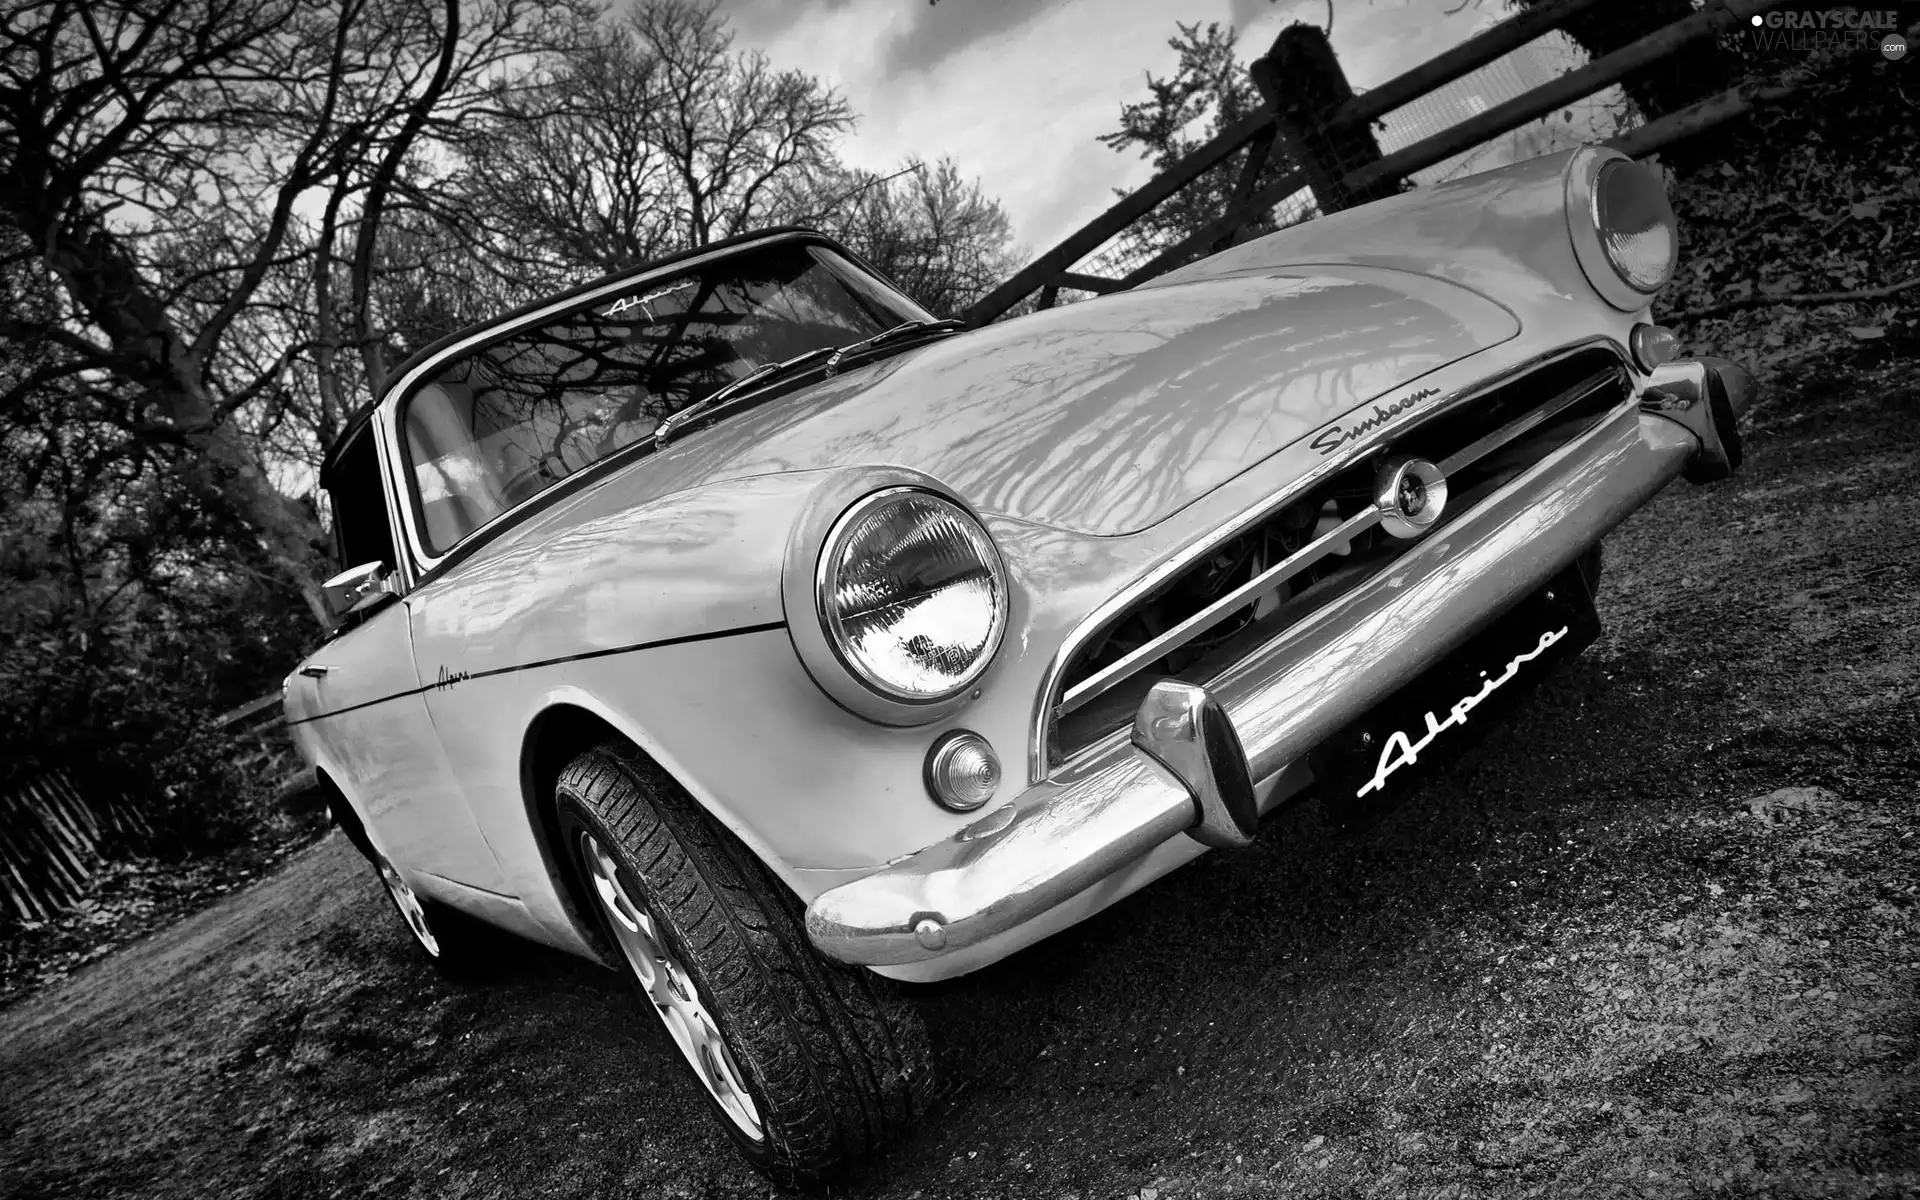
[(361, 704), (371, 718)]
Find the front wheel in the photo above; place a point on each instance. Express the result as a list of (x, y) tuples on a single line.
[(808, 1065)]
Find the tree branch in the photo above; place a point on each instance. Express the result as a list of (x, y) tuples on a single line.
[(383, 176), (1796, 298)]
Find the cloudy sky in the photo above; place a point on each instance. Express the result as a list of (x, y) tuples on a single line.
[(1017, 90)]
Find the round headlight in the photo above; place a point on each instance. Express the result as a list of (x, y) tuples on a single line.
[(912, 595), (1636, 225)]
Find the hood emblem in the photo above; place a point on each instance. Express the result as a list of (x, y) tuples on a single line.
[(1337, 435), (1409, 494)]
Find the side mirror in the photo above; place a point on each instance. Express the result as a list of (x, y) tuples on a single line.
[(354, 589)]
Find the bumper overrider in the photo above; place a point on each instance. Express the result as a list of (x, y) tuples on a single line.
[(1195, 754)]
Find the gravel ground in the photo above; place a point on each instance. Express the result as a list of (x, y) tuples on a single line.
[(1656, 936)]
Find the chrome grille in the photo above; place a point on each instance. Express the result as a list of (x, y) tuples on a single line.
[(1312, 546)]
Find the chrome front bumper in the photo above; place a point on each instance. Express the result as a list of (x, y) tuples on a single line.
[(1185, 769)]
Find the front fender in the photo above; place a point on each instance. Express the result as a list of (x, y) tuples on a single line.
[(664, 623), (1503, 233), (616, 575)]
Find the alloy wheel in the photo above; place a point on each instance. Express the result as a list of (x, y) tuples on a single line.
[(411, 910), (670, 990)]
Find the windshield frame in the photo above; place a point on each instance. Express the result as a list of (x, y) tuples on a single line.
[(427, 367)]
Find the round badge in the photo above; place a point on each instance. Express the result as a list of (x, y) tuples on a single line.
[(1409, 494), (1894, 46)]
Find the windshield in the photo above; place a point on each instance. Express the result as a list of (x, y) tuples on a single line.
[(510, 419)]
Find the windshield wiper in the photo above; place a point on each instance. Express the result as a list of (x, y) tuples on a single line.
[(888, 335), (675, 421)]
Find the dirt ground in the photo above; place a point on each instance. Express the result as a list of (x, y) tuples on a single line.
[(1655, 937)]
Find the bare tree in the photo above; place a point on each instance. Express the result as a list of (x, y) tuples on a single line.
[(158, 162), (660, 136), (733, 130), (936, 233), (657, 137), (1209, 90), (576, 177)]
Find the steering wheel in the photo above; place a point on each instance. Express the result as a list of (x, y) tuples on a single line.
[(549, 468)]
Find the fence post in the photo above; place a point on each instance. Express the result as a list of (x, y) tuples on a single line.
[(1302, 82), (1258, 152)]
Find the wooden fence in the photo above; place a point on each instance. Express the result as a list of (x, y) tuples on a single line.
[(260, 716), (1314, 122), (53, 831), (50, 843)]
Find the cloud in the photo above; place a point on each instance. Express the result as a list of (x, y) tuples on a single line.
[(1245, 14), (1017, 90), (1260, 20), (912, 37), (761, 21), (936, 32)]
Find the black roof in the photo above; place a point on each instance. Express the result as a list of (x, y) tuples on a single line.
[(364, 413)]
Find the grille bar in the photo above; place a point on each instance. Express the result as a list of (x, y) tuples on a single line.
[(1513, 429), (1197, 624), (1116, 672)]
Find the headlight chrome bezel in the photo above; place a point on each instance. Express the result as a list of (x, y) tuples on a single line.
[(831, 514), (1585, 177), (826, 582)]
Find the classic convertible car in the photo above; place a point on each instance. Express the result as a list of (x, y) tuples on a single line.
[(735, 623)]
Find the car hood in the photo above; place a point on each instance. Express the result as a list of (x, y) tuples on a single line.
[(1108, 416)]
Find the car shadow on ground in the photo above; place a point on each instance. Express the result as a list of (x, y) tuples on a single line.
[(1230, 980), (1305, 914)]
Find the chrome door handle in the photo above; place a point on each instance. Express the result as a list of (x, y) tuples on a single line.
[(314, 671)]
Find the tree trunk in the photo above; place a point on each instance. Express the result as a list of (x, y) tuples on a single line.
[(150, 354)]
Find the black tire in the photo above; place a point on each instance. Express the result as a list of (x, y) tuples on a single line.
[(453, 941), (834, 1061)]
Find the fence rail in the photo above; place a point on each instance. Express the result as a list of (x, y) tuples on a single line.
[(251, 708), (1312, 111), (53, 833), (50, 843)]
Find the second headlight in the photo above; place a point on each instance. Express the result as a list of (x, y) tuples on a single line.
[(1636, 224), (912, 595), (1623, 228)]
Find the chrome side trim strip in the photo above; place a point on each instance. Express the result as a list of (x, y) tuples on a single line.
[(1047, 712), (1523, 424)]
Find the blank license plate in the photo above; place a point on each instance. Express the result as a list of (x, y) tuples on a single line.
[(1371, 765)]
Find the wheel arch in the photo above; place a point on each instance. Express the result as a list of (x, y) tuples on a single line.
[(558, 733), (344, 814)]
